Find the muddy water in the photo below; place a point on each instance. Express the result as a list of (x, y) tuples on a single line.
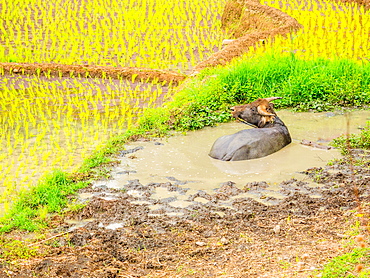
[(185, 158), (183, 161)]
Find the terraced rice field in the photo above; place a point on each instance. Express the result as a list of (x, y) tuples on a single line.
[(48, 123), (155, 34), (331, 30), (56, 123)]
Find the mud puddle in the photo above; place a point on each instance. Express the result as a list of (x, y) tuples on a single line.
[(175, 176), (185, 158)]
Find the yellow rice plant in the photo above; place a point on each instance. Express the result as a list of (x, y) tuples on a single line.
[(56, 123), (330, 30), (156, 34)]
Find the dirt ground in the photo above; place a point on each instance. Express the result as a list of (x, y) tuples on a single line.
[(117, 235)]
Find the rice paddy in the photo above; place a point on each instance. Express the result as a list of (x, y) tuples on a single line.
[(48, 123), (56, 123), (331, 30), (156, 34)]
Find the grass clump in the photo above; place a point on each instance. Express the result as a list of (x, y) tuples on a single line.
[(348, 264), (354, 141), (315, 85), (29, 211), (16, 249)]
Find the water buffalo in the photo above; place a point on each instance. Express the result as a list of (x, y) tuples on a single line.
[(269, 135)]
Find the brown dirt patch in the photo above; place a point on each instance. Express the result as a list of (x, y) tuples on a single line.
[(364, 3), (59, 70), (241, 18)]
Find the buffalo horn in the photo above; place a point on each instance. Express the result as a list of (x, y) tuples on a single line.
[(272, 98)]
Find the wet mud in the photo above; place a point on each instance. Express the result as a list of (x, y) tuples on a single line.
[(136, 232), (185, 158)]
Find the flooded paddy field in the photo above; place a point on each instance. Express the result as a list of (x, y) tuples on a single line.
[(51, 123), (153, 34)]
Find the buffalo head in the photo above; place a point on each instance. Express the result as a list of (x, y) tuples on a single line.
[(271, 136), (257, 113)]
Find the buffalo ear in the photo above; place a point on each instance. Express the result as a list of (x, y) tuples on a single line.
[(266, 116), (262, 110)]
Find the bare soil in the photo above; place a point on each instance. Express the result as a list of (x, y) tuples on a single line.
[(59, 70), (364, 3)]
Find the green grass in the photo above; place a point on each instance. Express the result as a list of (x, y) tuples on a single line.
[(16, 249), (317, 85), (301, 83), (204, 101), (344, 266), (29, 211)]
